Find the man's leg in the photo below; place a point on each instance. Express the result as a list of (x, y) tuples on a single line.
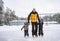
[(33, 29), (36, 29), (39, 29)]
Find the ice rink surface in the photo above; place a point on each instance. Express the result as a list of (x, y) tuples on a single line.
[(14, 33)]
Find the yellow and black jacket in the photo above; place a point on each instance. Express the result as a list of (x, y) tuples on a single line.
[(33, 16)]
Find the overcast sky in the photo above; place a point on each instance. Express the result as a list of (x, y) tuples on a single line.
[(24, 7)]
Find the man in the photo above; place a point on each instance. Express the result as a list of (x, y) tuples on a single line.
[(33, 16)]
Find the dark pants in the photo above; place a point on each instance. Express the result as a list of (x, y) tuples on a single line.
[(26, 33), (34, 28), (40, 29)]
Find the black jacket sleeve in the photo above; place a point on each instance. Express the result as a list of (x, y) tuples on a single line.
[(38, 17), (29, 17)]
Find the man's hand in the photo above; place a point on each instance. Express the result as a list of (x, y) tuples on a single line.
[(21, 29)]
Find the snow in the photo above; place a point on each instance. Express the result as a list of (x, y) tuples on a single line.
[(51, 22), (18, 21), (14, 33)]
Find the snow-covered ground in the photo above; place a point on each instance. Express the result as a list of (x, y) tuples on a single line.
[(13, 33)]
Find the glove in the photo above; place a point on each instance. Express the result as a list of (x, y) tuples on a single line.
[(21, 29)]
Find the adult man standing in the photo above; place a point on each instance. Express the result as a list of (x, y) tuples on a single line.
[(34, 17)]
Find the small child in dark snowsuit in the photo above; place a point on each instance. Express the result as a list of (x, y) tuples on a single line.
[(41, 27), (25, 29)]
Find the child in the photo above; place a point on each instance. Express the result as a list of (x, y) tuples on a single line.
[(41, 27), (25, 29)]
